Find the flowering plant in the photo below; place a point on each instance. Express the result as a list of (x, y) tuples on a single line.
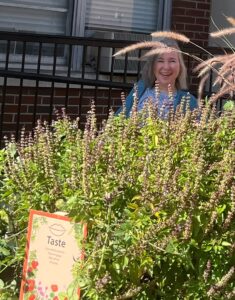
[(158, 198)]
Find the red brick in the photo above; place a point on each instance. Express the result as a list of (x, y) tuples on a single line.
[(200, 42), (27, 91), (195, 12), (27, 127), (183, 4), (183, 19), (120, 93), (195, 28), (12, 90), (205, 6), (14, 108), (43, 118), (101, 101), (11, 127), (178, 27), (8, 99), (88, 93), (8, 118), (74, 92), (27, 99), (26, 118), (202, 21), (43, 91), (55, 100), (117, 102), (100, 119), (60, 92), (201, 35), (72, 110), (189, 34), (40, 109), (73, 101), (179, 11)]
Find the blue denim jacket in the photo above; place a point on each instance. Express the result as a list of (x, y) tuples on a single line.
[(140, 90)]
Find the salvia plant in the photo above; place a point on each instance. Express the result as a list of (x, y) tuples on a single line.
[(158, 197)]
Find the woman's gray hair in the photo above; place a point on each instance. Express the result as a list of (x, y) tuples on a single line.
[(148, 69)]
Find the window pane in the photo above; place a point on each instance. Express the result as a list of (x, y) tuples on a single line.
[(132, 15), (34, 16)]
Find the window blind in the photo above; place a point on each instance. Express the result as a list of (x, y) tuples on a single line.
[(42, 16), (127, 15)]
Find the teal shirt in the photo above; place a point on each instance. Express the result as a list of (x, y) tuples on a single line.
[(141, 89)]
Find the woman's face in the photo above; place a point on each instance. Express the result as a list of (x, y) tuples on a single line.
[(167, 69)]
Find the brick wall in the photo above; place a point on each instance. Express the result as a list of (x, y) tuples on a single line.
[(192, 18), (42, 108)]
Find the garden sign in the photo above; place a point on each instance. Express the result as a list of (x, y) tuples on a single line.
[(51, 251)]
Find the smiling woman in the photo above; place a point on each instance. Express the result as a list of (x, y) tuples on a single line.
[(164, 69)]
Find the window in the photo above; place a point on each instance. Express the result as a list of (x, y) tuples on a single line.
[(115, 19), (42, 16), (122, 15), (34, 16), (121, 19)]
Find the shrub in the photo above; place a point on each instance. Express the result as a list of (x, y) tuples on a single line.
[(157, 195)]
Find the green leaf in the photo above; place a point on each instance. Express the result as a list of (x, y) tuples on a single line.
[(4, 251), (1, 284), (221, 208), (226, 244), (229, 105), (133, 205), (156, 140), (125, 261)]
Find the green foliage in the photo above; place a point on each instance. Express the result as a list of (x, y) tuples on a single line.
[(229, 105), (158, 197)]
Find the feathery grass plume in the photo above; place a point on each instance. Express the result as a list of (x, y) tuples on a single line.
[(222, 92), (141, 45), (228, 74), (229, 63), (205, 66), (160, 51), (222, 32), (231, 20), (171, 35), (223, 75), (201, 86)]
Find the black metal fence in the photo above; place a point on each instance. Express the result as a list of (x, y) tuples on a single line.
[(46, 63), (43, 61)]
